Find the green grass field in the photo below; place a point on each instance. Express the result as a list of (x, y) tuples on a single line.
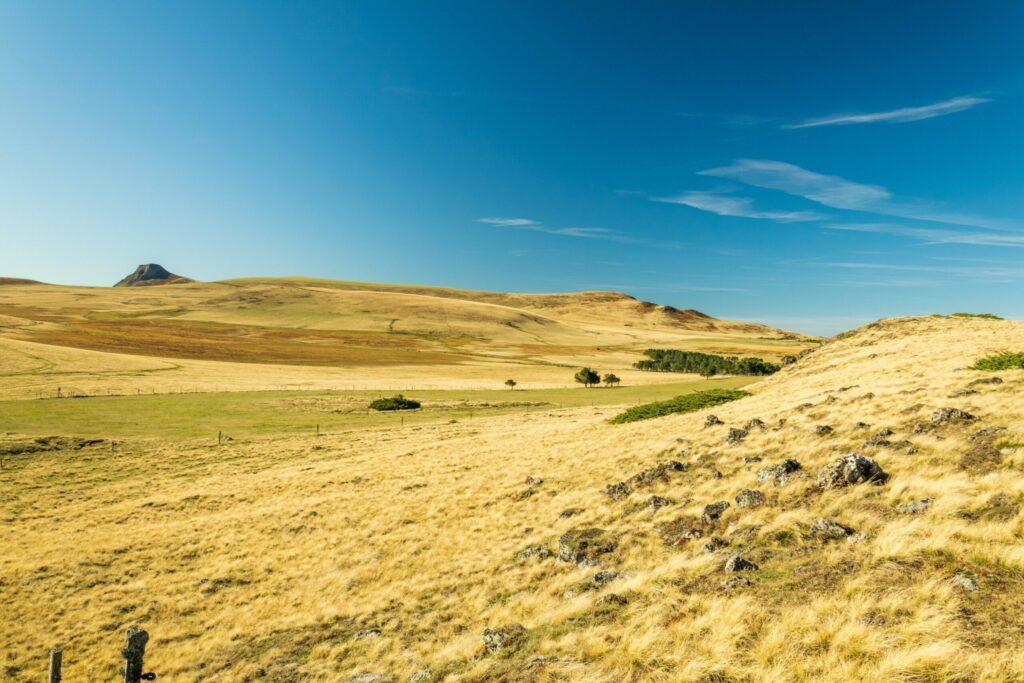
[(254, 414)]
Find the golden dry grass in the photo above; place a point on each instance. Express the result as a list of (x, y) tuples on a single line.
[(264, 559)]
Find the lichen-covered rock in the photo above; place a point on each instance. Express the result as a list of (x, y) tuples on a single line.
[(914, 507), (735, 435), (965, 582), (987, 434), (584, 546), (945, 416), (756, 423), (533, 481), (612, 599), (823, 430), (659, 472), (778, 474), (739, 564), (749, 498), (711, 421), (714, 544), (658, 502), (851, 469), (504, 638), (569, 512), (713, 511), (830, 529), (618, 491), (539, 551)]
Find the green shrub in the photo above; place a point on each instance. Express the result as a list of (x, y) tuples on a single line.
[(986, 316), (1003, 360), (705, 364), (687, 403), (398, 402)]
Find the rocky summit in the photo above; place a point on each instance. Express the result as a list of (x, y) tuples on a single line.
[(149, 274)]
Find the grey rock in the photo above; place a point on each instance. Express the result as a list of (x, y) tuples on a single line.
[(778, 474), (714, 544), (965, 582), (851, 469), (421, 676), (584, 546), (945, 416), (755, 424), (823, 430), (739, 564), (711, 421), (749, 498), (368, 634), (987, 434), (735, 435), (612, 599), (737, 582), (714, 511), (569, 512), (915, 507), (618, 491), (504, 638), (534, 481), (658, 502), (539, 551), (830, 529), (752, 458), (862, 425)]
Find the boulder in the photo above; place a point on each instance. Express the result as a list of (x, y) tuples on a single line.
[(823, 430), (569, 512), (618, 491), (533, 481), (755, 424), (539, 551), (749, 498), (659, 472), (714, 511), (739, 564), (830, 529), (658, 502), (778, 474), (504, 638), (584, 546), (711, 421), (735, 435), (851, 469), (945, 416)]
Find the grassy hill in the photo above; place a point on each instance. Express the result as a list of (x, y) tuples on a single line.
[(330, 334), (392, 550)]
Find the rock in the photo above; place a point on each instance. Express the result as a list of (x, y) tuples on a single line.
[(862, 425), (914, 507), (539, 551), (752, 458), (985, 380), (804, 406), (965, 582), (779, 425), (877, 441), (583, 546), (964, 392), (987, 434), (735, 435), (715, 543), (370, 678), (659, 472), (823, 430), (421, 676), (657, 502), (504, 638), (945, 416), (711, 421), (618, 491), (884, 432), (749, 498), (612, 599), (533, 481), (595, 582), (755, 424), (736, 582), (778, 474), (739, 564), (367, 634), (601, 578), (151, 274), (859, 537), (524, 494), (569, 512), (680, 530), (830, 529), (851, 469), (714, 511)]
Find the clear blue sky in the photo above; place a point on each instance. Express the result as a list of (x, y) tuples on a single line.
[(813, 165)]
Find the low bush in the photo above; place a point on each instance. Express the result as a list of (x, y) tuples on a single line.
[(398, 402), (672, 360), (687, 403), (1003, 360)]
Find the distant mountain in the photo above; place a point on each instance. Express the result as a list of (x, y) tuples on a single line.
[(150, 274), (17, 281)]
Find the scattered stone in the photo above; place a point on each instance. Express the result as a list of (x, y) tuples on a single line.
[(945, 416), (658, 502), (862, 425), (583, 546), (755, 424), (749, 498), (851, 469), (735, 435), (533, 481), (715, 543), (659, 472), (965, 582), (987, 434), (985, 380), (504, 638), (922, 428), (618, 491), (612, 599), (752, 458), (830, 529), (778, 474), (569, 512), (539, 551), (368, 634), (739, 564), (714, 511), (592, 584), (736, 582), (884, 432), (524, 494), (823, 430), (915, 507), (603, 577), (711, 421)]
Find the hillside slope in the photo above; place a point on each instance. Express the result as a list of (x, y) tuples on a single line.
[(389, 552)]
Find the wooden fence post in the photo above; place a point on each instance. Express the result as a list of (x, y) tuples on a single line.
[(56, 654), (134, 650)]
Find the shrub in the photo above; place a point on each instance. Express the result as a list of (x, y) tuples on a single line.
[(687, 403), (587, 377), (705, 364), (1003, 360), (398, 402), (611, 379), (987, 316)]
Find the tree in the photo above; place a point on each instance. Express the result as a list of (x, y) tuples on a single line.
[(611, 380), (708, 371), (511, 384), (587, 377)]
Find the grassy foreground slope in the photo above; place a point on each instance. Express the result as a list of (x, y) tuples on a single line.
[(389, 551), (325, 334)]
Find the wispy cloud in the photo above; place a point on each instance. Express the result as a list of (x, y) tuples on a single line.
[(509, 222), (839, 193), (572, 231), (935, 236), (902, 115), (725, 205)]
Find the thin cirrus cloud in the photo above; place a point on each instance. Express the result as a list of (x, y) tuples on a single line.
[(584, 233), (723, 205), (935, 236), (902, 115), (509, 222), (839, 193)]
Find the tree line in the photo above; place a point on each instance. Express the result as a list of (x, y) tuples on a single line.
[(704, 364)]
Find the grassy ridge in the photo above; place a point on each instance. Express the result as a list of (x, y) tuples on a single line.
[(686, 403)]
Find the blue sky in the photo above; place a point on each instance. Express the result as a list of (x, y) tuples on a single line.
[(810, 165)]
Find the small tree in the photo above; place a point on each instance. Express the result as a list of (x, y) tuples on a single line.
[(511, 384), (708, 371), (611, 380), (588, 377)]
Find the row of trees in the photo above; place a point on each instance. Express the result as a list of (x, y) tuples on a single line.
[(591, 378), (705, 364)]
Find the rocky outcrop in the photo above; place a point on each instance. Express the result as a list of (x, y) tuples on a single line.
[(851, 469), (778, 474), (504, 638), (149, 274), (584, 546)]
